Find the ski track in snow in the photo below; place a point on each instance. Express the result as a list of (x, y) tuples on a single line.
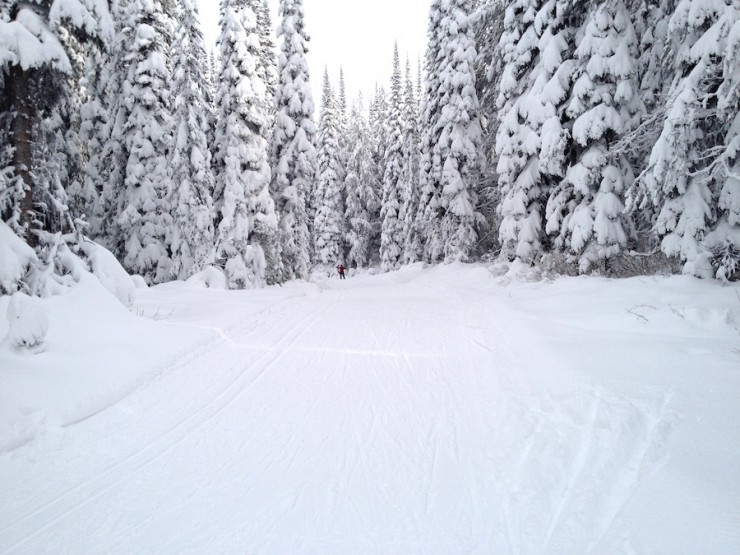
[(373, 420)]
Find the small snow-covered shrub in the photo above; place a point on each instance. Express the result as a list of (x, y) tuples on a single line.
[(28, 322), (109, 271), (16, 258), (209, 278)]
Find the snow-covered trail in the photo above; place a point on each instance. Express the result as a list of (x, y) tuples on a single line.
[(393, 414)]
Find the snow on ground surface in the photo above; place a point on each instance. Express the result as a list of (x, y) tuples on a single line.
[(424, 411)]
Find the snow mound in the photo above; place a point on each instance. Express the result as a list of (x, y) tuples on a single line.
[(15, 258), (109, 271), (28, 323), (210, 278), (139, 282)]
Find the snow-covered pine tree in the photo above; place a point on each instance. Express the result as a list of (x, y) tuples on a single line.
[(586, 211), (193, 182), (294, 153), (488, 24), (430, 171), (361, 201), (144, 214), (378, 120), (517, 140), (268, 59), (412, 245), (692, 182), (32, 60), (458, 147), (391, 240), (328, 200), (248, 221)]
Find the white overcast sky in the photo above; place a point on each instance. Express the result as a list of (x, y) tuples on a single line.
[(357, 35)]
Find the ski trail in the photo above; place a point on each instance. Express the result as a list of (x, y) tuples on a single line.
[(69, 501)]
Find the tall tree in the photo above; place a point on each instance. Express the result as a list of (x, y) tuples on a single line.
[(604, 104), (362, 201), (193, 182), (294, 142), (32, 60), (391, 241), (459, 144), (144, 213), (328, 201), (430, 209), (412, 245), (693, 182), (247, 211)]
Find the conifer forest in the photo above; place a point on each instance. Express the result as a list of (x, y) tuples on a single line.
[(572, 135)]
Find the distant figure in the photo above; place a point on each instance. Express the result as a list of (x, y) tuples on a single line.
[(341, 269)]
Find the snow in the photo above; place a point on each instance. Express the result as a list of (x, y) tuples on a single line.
[(440, 410)]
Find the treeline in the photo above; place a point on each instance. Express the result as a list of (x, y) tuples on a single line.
[(581, 136)]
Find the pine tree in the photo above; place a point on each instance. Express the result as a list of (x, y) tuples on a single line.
[(248, 221), (586, 210), (693, 179), (412, 246), (378, 118), (391, 242), (268, 61), (193, 235), (33, 61), (430, 210), (144, 213), (327, 201), (458, 147), (293, 144), (361, 200)]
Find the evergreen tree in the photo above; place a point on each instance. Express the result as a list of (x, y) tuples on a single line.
[(144, 214), (192, 236), (293, 144), (33, 62), (430, 209), (692, 182), (412, 245), (586, 210), (248, 221), (391, 242), (378, 119), (268, 60), (361, 200), (327, 201), (460, 140)]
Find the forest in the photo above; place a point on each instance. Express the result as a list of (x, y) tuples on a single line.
[(571, 136)]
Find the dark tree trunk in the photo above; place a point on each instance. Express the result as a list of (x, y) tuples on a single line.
[(22, 109)]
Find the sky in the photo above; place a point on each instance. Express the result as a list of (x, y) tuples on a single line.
[(356, 35)]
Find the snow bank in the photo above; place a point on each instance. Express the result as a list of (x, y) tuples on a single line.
[(28, 323), (15, 259), (109, 271), (209, 278)]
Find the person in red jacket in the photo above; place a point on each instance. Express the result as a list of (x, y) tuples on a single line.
[(341, 269)]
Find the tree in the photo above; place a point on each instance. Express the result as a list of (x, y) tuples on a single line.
[(328, 201), (361, 200), (391, 241), (193, 182), (33, 61), (587, 209), (412, 247), (693, 182), (293, 143), (429, 212), (242, 197), (458, 147)]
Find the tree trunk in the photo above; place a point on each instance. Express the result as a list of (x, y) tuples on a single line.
[(23, 118)]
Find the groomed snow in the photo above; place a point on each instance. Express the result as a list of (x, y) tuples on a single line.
[(424, 411)]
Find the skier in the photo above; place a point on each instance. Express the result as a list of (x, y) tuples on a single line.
[(341, 269)]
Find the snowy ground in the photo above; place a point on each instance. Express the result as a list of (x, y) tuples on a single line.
[(423, 411)]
